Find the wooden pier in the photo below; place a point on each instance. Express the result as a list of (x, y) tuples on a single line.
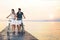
[(4, 35)]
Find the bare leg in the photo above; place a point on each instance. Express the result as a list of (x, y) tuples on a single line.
[(19, 28), (22, 27), (13, 28)]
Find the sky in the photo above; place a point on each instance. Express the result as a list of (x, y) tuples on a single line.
[(33, 9)]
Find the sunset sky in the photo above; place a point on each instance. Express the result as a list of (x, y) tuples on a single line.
[(33, 9)]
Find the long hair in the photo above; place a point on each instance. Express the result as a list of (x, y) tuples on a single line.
[(13, 11)]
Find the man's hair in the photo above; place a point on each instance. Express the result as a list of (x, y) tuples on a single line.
[(19, 8)]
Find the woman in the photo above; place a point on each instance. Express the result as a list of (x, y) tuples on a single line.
[(13, 17)]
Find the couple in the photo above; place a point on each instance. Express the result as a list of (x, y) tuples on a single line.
[(16, 18)]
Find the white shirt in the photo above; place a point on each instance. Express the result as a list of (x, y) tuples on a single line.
[(12, 16)]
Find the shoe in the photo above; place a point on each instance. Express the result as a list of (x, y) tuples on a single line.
[(23, 32), (18, 32), (13, 33)]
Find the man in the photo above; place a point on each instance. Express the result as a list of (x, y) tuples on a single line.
[(19, 20)]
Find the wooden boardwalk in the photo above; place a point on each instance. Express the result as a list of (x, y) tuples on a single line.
[(9, 36)]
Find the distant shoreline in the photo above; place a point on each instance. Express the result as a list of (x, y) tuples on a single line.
[(57, 20)]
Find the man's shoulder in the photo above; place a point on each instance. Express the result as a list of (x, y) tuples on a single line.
[(21, 12), (18, 12)]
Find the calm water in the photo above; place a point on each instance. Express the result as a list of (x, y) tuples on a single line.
[(41, 30), (44, 30)]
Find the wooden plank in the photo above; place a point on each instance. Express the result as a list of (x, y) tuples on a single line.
[(10, 36)]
